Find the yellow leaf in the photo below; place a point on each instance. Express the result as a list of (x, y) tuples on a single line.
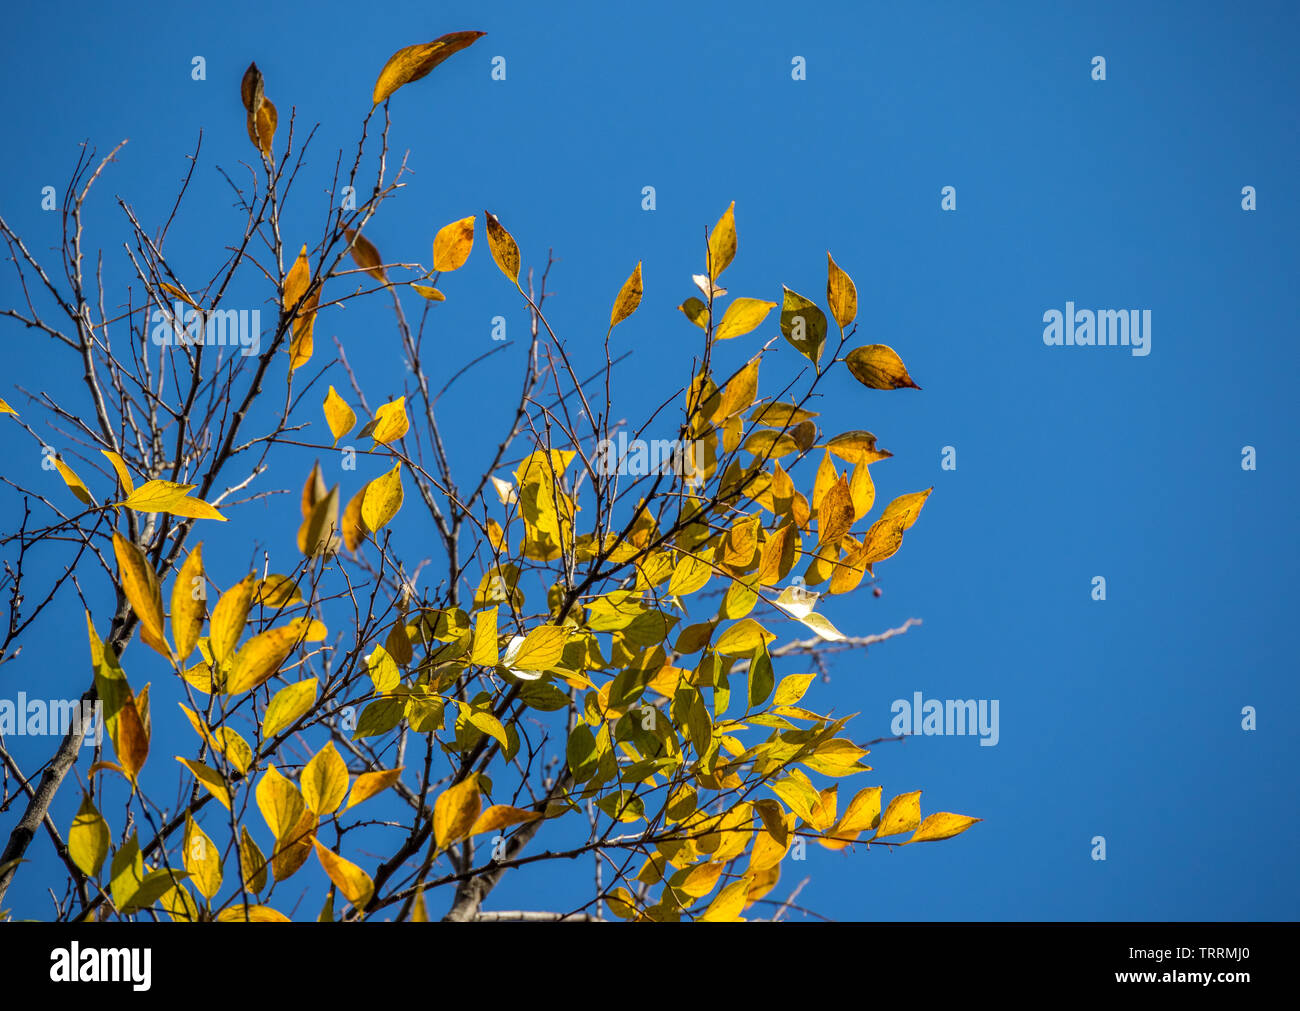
[(6, 409), (902, 815), (452, 244), (742, 316), (74, 483), (202, 859), (287, 705), (169, 497), (695, 311), (296, 282), (878, 367), (841, 293), (383, 498), (414, 62), (354, 527), (390, 421), (370, 783), (743, 638), (260, 657), (229, 617), (803, 324), (325, 781), (338, 415), (722, 243), (485, 651), (689, 575), (424, 291), (277, 591), (629, 297), (504, 248), (261, 126), (210, 778), (304, 325), (254, 861), (313, 490), (500, 816), (857, 447), (780, 415), (251, 914), (942, 825), (834, 514), (280, 802), (189, 600), (88, 839), (739, 393), (365, 255), (119, 465), (906, 508), (352, 881), (541, 649), (319, 533), (141, 588), (455, 812), (729, 903)]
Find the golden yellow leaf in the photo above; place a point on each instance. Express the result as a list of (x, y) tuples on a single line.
[(742, 316), (739, 393), (141, 588), (455, 812), (119, 465), (878, 367), (352, 881), (500, 816), (383, 498), (413, 62), (189, 603), (803, 324), (841, 293), (168, 497), (354, 527), (325, 781), (370, 783), (780, 415), (729, 903), (902, 815), (452, 244), (313, 490), (696, 311), (906, 508), (287, 705), (261, 126), (277, 591), (254, 861), (540, 650), (834, 513), (279, 801), (6, 409), (319, 533), (424, 291), (390, 422), (229, 617), (484, 652), (942, 825), (251, 914), (202, 859), (210, 778), (689, 575), (88, 839), (857, 447), (296, 281), (743, 638), (74, 483), (722, 243), (629, 297), (260, 658)]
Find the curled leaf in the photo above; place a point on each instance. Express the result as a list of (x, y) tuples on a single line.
[(413, 62)]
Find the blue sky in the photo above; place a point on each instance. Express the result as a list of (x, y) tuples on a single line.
[(1119, 718)]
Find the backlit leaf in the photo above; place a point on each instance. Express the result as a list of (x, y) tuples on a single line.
[(878, 367), (413, 62), (452, 244), (629, 297)]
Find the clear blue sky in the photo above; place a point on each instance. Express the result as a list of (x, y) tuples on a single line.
[(1119, 718)]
